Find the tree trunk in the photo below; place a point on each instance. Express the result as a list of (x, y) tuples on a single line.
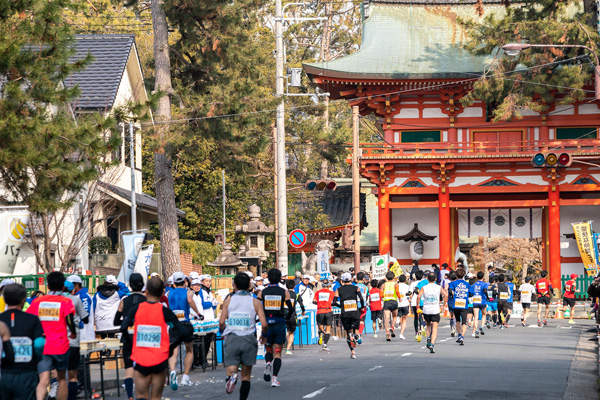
[(163, 177)]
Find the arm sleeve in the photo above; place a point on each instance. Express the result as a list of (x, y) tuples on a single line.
[(8, 357), (118, 318), (362, 301), (38, 347), (71, 323), (129, 319), (301, 302)]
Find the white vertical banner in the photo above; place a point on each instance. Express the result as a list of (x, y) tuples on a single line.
[(132, 244), (323, 264), (13, 224), (142, 264), (379, 266)]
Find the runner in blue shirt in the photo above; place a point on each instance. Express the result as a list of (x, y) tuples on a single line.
[(511, 289), (492, 305), (458, 299), (449, 278), (364, 290), (479, 294)]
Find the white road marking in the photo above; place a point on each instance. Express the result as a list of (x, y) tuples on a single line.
[(315, 393), (405, 354), (375, 367), (423, 347), (566, 327)]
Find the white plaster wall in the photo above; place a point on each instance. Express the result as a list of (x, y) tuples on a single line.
[(588, 109), (459, 134), (568, 269), (564, 110), (472, 112), (433, 113), (408, 113), (467, 180), (534, 180), (536, 133), (403, 221), (569, 215)]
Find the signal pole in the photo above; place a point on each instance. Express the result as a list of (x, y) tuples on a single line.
[(355, 190)]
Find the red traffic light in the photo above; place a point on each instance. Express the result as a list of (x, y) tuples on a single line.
[(331, 185), (322, 184), (551, 160), (564, 160)]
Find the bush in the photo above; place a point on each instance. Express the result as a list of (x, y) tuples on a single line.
[(100, 245)]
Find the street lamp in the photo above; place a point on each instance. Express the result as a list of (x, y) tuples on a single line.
[(513, 49)]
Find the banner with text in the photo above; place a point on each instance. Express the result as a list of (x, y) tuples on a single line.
[(142, 264), (13, 224), (587, 247), (323, 264), (132, 244), (379, 266)]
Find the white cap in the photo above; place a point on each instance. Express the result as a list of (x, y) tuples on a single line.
[(249, 273), (75, 279), (312, 279), (306, 276), (196, 282), (266, 282), (178, 277), (470, 275), (346, 277), (170, 280), (258, 278), (111, 279), (152, 275), (205, 276), (6, 282), (194, 275)]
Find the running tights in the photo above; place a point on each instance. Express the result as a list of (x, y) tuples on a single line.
[(418, 321), (276, 366), (349, 340), (326, 338), (268, 357), (244, 390)]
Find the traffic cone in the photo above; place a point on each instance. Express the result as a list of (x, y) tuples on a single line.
[(567, 313), (446, 312), (558, 312)]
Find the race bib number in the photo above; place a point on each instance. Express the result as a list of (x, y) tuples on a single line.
[(239, 320), (476, 299), (148, 336), (375, 297), (525, 293), (490, 294), (542, 286), (49, 311), (272, 302), (350, 305), (431, 299), (460, 303), (180, 314), (323, 296), (503, 295), (23, 349)]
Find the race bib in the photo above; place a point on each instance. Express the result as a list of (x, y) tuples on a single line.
[(402, 296), (431, 299), (323, 296), (23, 349), (375, 297), (503, 295), (490, 294), (239, 320), (148, 336), (542, 286), (525, 293), (49, 311), (460, 303), (350, 305), (476, 299), (272, 302), (180, 314)]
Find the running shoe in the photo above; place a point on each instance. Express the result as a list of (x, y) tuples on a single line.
[(173, 380), (358, 338), (419, 337), (275, 382), (374, 335), (571, 321), (477, 333), (53, 390), (288, 352), (453, 332), (320, 338), (458, 340), (431, 346), (488, 325), (424, 331), (539, 323), (380, 323), (545, 323), (474, 335), (462, 342), (353, 356), (268, 370), (402, 337), (352, 341), (523, 323), (185, 381), (588, 314), (230, 383), (325, 348), (481, 331), (388, 338), (392, 332)]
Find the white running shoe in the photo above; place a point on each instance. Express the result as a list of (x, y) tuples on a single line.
[(267, 374), (374, 335), (173, 380), (402, 337), (275, 382), (473, 334), (230, 383), (353, 356), (53, 390), (185, 381)]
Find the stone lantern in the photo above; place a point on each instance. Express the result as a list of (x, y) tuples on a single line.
[(227, 262), (254, 231)]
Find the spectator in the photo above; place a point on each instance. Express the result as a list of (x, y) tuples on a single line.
[(304, 290), (86, 329), (436, 271), (413, 270), (105, 303)]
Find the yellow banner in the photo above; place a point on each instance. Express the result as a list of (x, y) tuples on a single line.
[(585, 242)]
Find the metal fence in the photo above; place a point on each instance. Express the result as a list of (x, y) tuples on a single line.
[(38, 282), (583, 282)]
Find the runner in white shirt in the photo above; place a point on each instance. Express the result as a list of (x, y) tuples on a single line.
[(430, 294), (527, 290), (403, 304)]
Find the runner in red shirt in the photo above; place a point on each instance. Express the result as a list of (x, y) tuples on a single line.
[(56, 313), (375, 304), (323, 299), (544, 288), (569, 296)]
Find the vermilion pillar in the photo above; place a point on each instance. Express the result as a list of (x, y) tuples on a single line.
[(554, 235), (445, 237), (385, 232), (544, 133)]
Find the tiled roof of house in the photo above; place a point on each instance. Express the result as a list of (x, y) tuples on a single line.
[(436, 2), (99, 82), (337, 205), (142, 200)]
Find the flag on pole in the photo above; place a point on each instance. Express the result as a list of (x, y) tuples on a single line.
[(132, 244)]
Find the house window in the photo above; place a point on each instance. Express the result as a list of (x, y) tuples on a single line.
[(588, 132), (254, 241), (419, 136)]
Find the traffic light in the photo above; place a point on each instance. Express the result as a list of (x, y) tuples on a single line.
[(347, 240), (322, 184), (551, 160)]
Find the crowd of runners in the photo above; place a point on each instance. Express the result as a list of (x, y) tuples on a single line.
[(40, 336)]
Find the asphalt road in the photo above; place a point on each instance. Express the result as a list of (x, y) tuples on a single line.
[(515, 363)]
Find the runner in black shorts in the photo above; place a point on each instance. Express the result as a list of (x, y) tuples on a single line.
[(291, 321), (351, 304), (323, 298)]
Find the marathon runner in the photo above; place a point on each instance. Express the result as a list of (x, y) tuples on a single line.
[(80, 318), (364, 290), (56, 313), (569, 295), (351, 304), (511, 297), (403, 304), (458, 297), (526, 290), (543, 287), (478, 292), (274, 299), (503, 296), (492, 305), (415, 287), (375, 305), (151, 335), (238, 327), (449, 278), (324, 299), (291, 321), (390, 305), (136, 282), (430, 294), (19, 380), (181, 300)]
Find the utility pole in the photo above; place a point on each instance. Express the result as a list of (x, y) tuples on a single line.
[(355, 190), (132, 167), (224, 219), (282, 246), (276, 215)]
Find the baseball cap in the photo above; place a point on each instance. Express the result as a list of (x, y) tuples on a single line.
[(266, 282), (258, 278), (152, 275), (205, 276), (170, 280), (111, 279), (69, 286), (7, 282), (325, 282), (573, 276), (75, 279), (346, 277), (312, 279), (194, 275), (136, 281), (249, 273), (196, 282), (178, 277)]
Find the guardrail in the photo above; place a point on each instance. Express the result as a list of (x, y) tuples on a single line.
[(38, 282)]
